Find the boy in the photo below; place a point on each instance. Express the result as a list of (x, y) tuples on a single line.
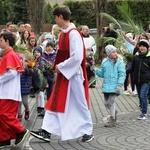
[(50, 54), (10, 95), (141, 71)]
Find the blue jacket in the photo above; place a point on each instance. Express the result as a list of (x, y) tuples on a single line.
[(112, 74), (25, 81)]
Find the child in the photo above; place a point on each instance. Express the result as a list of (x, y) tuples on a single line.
[(25, 89), (113, 72), (49, 54), (141, 73), (39, 80), (10, 95), (32, 43)]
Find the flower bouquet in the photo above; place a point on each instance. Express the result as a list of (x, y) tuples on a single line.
[(90, 61), (31, 64), (38, 76), (48, 68)]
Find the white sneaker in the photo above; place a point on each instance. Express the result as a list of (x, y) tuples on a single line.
[(130, 90), (126, 92), (134, 93), (142, 117)]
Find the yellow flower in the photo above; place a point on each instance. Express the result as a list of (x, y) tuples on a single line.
[(31, 64)]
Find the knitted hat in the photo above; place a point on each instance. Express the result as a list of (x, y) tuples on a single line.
[(48, 36), (50, 43), (129, 35), (109, 49), (144, 43), (38, 48)]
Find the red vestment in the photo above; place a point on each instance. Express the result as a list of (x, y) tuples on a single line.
[(10, 61), (57, 100)]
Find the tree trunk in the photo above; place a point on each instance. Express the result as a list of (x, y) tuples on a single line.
[(101, 6), (35, 10)]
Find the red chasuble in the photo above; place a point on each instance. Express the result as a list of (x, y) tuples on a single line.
[(57, 100), (10, 60)]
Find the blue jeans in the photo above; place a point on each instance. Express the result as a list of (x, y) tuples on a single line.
[(142, 90)]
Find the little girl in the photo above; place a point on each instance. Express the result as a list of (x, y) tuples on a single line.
[(25, 81), (32, 43), (113, 71)]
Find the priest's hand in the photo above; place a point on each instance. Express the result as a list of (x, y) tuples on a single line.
[(56, 69)]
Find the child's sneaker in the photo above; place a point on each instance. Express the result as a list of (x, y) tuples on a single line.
[(26, 116), (111, 122), (134, 93), (126, 92), (142, 117)]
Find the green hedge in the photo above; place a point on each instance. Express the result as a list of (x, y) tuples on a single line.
[(84, 12)]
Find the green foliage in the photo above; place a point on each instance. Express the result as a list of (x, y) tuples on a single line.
[(2, 13), (111, 19), (21, 49), (140, 11), (83, 13), (17, 11), (128, 56), (128, 22), (48, 14)]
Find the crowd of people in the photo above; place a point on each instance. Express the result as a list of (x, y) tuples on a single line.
[(62, 66)]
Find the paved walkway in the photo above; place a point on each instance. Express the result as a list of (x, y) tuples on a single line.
[(129, 133)]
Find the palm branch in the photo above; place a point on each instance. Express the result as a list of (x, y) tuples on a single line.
[(24, 50), (125, 11), (21, 49), (111, 19), (92, 80), (129, 24)]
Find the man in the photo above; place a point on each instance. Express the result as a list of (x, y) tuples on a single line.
[(10, 26), (20, 29), (110, 31), (90, 47), (28, 27), (89, 41), (67, 113), (10, 95)]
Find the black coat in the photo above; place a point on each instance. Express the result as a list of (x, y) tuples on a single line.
[(141, 68)]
